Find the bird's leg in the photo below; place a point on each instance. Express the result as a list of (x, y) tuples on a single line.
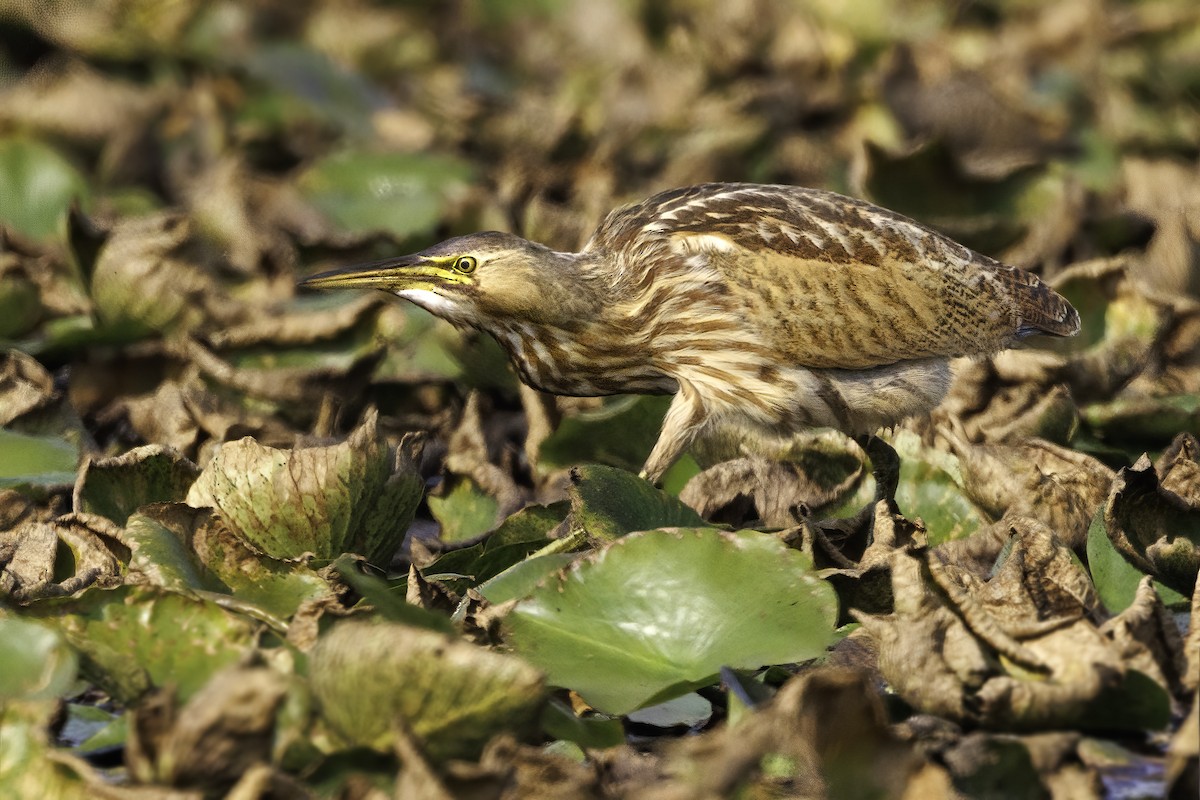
[(885, 467), (680, 426)]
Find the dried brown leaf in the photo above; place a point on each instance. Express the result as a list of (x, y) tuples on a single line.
[(25, 386), (1061, 488), (1154, 528), (222, 731), (30, 553), (780, 492), (1021, 650)]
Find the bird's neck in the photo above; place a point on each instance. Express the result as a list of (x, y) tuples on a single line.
[(584, 340)]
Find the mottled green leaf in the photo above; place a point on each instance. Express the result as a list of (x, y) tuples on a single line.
[(185, 549), (135, 638), (354, 496), (451, 695)]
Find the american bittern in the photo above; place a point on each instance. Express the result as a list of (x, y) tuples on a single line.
[(763, 309)]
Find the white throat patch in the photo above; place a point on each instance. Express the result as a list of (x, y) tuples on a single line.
[(432, 302)]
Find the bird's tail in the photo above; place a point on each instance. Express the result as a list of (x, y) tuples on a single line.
[(1042, 309)]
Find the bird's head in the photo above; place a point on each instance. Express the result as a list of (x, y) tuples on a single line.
[(482, 280)]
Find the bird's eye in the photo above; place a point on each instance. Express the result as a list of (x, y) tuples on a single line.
[(465, 264)]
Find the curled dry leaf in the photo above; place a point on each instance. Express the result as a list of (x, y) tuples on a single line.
[(1154, 528), (1020, 651), (357, 496), (30, 556), (67, 98), (30, 403), (997, 401), (818, 471), (186, 413), (1149, 640), (372, 678), (825, 734), (25, 386), (1060, 487)]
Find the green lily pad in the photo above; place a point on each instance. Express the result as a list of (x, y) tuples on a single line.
[(517, 537), (39, 187), (464, 513), (451, 695), (398, 193), (354, 496), (620, 434), (1115, 578), (610, 502), (657, 614), (35, 661), (118, 486), (37, 460)]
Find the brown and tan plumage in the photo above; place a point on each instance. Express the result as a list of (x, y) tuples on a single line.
[(763, 309)]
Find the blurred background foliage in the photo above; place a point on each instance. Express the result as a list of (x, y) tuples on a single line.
[(215, 151)]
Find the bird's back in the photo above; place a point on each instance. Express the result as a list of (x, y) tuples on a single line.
[(832, 282)]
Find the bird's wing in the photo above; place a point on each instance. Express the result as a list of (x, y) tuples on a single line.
[(830, 281)]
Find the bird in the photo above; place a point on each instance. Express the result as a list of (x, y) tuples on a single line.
[(765, 310)]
